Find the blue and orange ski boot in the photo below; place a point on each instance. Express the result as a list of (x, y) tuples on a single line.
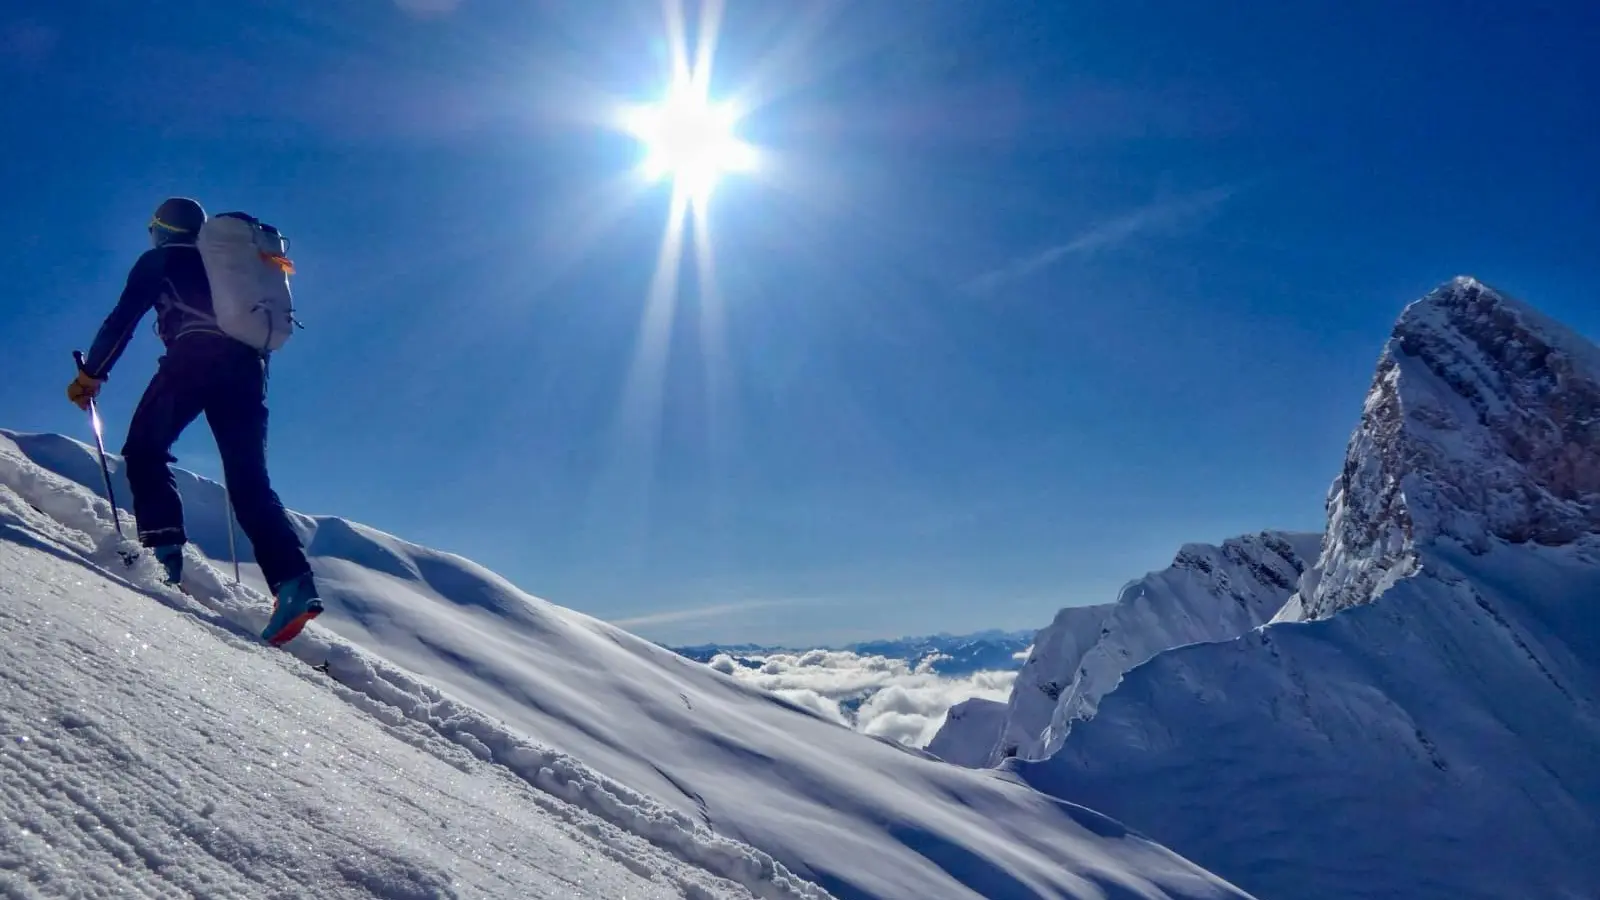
[(297, 605)]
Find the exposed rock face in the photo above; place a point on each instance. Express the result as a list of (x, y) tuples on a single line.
[(1483, 422)]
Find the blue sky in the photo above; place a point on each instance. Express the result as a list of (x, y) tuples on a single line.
[(1024, 296)]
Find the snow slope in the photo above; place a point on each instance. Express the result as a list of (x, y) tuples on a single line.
[(151, 750), (732, 785), (1441, 742), (1209, 593), (1422, 719)]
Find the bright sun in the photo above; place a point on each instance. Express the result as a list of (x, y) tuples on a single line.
[(690, 139)]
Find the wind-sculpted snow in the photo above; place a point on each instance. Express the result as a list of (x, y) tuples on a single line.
[(1209, 593), (1439, 743), (731, 785), (1051, 666)]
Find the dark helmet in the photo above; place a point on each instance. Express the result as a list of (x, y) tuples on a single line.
[(176, 217)]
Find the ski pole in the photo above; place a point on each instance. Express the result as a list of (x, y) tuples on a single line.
[(233, 550), (100, 446)]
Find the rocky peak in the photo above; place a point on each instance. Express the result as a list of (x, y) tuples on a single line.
[(1482, 424)]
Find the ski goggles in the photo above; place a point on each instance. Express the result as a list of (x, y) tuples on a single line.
[(155, 222)]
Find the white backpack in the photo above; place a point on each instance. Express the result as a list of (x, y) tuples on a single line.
[(247, 264)]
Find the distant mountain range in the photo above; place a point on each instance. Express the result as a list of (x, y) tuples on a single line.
[(942, 654)]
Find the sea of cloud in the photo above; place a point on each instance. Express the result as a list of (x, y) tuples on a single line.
[(892, 698)]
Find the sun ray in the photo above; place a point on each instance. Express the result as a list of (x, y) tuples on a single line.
[(624, 491), (689, 140), (641, 407), (677, 41), (705, 46), (714, 363)]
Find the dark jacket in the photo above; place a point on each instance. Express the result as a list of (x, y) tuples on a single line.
[(172, 280)]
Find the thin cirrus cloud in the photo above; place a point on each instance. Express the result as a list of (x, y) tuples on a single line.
[(428, 7), (1161, 217), (699, 613)]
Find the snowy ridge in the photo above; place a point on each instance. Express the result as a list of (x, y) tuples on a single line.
[(1051, 666), (393, 696), (1481, 424), (735, 785), (1443, 737), (1428, 703), (1209, 593)]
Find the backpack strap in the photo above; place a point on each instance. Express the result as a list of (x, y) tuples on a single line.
[(207, 321), (183, 307)]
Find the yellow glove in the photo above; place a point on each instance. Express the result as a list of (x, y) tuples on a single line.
[(83, 389)]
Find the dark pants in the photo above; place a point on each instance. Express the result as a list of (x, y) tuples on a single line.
[(227, 381)]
